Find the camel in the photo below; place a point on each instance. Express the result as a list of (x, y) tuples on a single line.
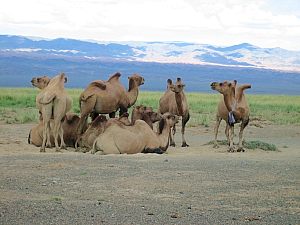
[(144, 113), (174, 101), (106, 97), (53, 102), (97, 126), (233, 108), (137, 138), (69, 127)]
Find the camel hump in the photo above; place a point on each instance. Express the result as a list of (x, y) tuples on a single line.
[(98, 83), (116, 77)]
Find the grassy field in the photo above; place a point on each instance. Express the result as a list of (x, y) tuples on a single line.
[(17, 105)]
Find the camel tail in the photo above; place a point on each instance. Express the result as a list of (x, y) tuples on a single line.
[(245, 86), (29, 137)]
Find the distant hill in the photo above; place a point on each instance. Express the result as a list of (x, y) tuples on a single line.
[(268, 70)]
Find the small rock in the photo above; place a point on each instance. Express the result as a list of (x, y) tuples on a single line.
[(150, 213), (44, 184), (166, 160)]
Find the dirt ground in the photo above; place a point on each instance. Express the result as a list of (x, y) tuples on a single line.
[(195, 185)]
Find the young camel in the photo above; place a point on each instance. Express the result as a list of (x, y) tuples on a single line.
[(144, 113), (106, 97), (97, 126), (174, 101), (233, 109), (138, 138), (53, 103), (69, 127)]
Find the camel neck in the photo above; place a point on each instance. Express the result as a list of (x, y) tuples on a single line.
[(132, 94), (179, 100), (230, 101), (164, 137)]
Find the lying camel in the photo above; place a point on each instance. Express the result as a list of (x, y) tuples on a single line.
[(137, 138), (97, 126), (174, 101), (106, 97), (69, 127), (233, 109), (53, 103), (144, 113)]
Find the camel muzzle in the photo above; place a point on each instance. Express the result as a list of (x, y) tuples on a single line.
[(213, 85)]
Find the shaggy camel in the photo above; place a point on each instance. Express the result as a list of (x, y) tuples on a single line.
[(174, 101), (97, 126), (137, 138), (53, 102), (233, 108), (144, 113), (69, 127), (106, 97)]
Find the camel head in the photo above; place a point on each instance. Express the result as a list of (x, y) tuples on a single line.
[(40, 82), (177, 87), (224, 87), (135, 80), (168, 119), (124, 119), (154, 116)]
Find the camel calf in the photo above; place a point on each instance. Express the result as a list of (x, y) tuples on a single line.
[(233, 108), (69, 127), (144, 113), (137, 138)]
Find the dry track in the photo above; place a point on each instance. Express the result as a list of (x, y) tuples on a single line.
[(196, 185)]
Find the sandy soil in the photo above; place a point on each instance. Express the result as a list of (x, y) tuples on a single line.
[(195, 185)]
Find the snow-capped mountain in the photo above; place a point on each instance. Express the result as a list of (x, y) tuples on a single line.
[(241, 55)]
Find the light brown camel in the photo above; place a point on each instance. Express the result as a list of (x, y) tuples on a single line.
[(97, 126), (233, 109), (174, 101), (137, 138), (42, 82), (52, 102), (145, 113), (69, 126), (106, 97)]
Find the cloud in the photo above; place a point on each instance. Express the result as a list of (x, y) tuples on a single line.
[(219, 22)]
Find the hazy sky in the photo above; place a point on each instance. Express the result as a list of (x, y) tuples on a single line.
[(266, 23)]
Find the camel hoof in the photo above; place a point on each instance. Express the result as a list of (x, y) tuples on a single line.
[(184, 144), (48, 145), (241, 149), (231, 149), (93, 152), (42, 150), (172, 144)]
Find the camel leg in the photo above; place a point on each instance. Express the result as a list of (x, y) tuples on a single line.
[(185, 119), (171, 137), (243, 125), (47, 112), (86, 107), (112, 115), (174, 130), (55, 134), (61, 135), (218, 121), (122, 111), (227, 133), (231, 135)]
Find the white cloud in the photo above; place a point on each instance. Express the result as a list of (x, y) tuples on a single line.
[(219, 22)]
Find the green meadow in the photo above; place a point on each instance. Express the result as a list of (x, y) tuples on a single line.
[(17, 105)]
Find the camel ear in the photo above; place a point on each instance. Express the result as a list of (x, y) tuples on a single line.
[(235, 82), (169, 81), (178, 79), (66, 79), (161, 125)]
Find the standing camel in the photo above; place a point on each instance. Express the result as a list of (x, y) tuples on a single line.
[(53, 103), (106, 97), (174, 101), (233, 108)]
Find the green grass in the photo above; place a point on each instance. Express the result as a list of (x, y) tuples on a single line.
[(17, 105)]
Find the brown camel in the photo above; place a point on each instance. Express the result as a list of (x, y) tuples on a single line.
[(69, 127), (97, 126), (52, 102), (233, 109), (137, 138), (106, 97), (144, 113), (174, 101)]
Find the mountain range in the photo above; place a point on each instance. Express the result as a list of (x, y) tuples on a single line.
[(271, 70)]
